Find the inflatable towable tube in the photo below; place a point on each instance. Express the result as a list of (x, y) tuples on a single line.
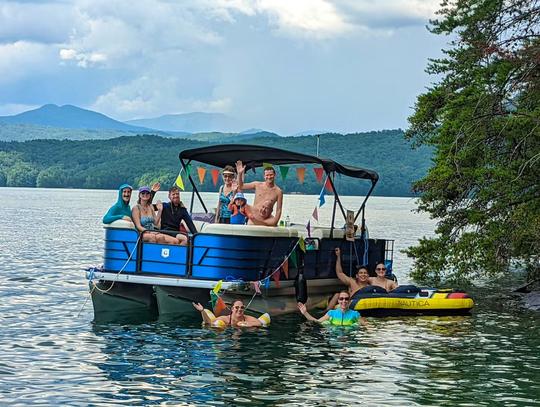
[(411, 300), (218, 323)]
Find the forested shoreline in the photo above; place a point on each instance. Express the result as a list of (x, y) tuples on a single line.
[(104, 164)]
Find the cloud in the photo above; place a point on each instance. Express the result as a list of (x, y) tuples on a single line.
[(21, 59)]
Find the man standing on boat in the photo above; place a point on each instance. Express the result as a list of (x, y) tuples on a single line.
[(267, 194)]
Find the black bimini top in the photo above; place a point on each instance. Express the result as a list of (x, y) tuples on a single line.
[(255, 156)]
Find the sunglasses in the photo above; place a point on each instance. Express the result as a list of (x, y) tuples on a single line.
[(239, 307), (145, 193), (344, 298), (227, 176), (380, 268)]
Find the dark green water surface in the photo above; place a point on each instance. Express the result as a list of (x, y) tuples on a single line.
[(50, 354)]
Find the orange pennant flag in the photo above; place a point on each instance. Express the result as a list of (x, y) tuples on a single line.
[(328, 185), (202, 173), (219, 307), (285, 268), (319, 174), (275, 277), (300, 174), (215, 176)]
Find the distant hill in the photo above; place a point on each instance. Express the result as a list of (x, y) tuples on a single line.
[(70, 117), (196, 122)]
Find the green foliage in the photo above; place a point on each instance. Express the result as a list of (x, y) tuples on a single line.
[(483, 119), (146, 159)]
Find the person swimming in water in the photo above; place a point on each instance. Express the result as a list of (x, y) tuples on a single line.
[(341, 316), (237, 318)]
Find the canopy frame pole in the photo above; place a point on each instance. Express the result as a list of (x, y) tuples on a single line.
[(363, 208), (336, 202), (195, 190)]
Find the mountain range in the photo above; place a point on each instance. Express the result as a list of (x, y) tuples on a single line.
[(71, 122)]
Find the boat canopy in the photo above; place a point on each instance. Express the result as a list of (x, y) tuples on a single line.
[(256, 156)]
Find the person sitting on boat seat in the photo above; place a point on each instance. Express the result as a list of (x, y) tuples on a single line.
[(264, 191), (173, 213), (381, 280), (121, 209), (237, 317), (147, 221), (342, 315), (361, 280), (240, 210)]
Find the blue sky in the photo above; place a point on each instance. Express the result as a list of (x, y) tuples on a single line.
[(281, 65)]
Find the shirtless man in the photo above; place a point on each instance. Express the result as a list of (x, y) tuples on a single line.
[(361, 280), (265, 192)]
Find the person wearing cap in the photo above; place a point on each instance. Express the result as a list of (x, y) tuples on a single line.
[(239, 210), (147, 221), (226, 194)]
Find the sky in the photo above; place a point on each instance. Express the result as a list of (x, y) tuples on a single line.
[(281, 65)]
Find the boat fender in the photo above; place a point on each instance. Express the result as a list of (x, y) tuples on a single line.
[(300, 287), (218, 323)]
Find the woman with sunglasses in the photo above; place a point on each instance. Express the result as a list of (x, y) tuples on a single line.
[(341, 316), (226, 194), (237, 317), (146, 220), (381, 280)]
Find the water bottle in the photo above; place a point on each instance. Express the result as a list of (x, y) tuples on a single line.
[(287, 221)]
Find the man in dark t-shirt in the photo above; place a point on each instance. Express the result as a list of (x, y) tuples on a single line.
[(174, 212)]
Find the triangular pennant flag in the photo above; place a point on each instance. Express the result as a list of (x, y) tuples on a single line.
[(315, 214), (275, 277), (321, 199), (302, 244), (267, 165), (308, 227), (256, 286), (219, 307), (285, 268), (202, 173), (284, 170), (319, 171), (213, 298), (215, 176), (179, 182), (328, 185), (188, 169), (300, 174), (292, 258), (216, 289)]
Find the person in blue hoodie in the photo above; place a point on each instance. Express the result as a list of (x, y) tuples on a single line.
[(121, 209)]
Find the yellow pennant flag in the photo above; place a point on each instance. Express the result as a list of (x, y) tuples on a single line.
[(179, 182), (217, 287), (302, 244)]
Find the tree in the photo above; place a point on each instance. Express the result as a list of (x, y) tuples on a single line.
[(482, 117)]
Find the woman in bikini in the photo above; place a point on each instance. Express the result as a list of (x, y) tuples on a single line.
[(147, 221), (226, 194), (237, 317), (381, 280)]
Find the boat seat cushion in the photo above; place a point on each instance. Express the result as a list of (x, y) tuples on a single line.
[(120, 224), (247, 230)]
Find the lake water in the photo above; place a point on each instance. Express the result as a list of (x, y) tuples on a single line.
[(52, 353)]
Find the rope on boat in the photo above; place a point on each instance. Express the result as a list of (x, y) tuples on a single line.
[(94, 284)]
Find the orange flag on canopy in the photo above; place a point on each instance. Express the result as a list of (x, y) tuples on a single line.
[(300, 174), (215, 176), (202, 173), (319, 174)]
